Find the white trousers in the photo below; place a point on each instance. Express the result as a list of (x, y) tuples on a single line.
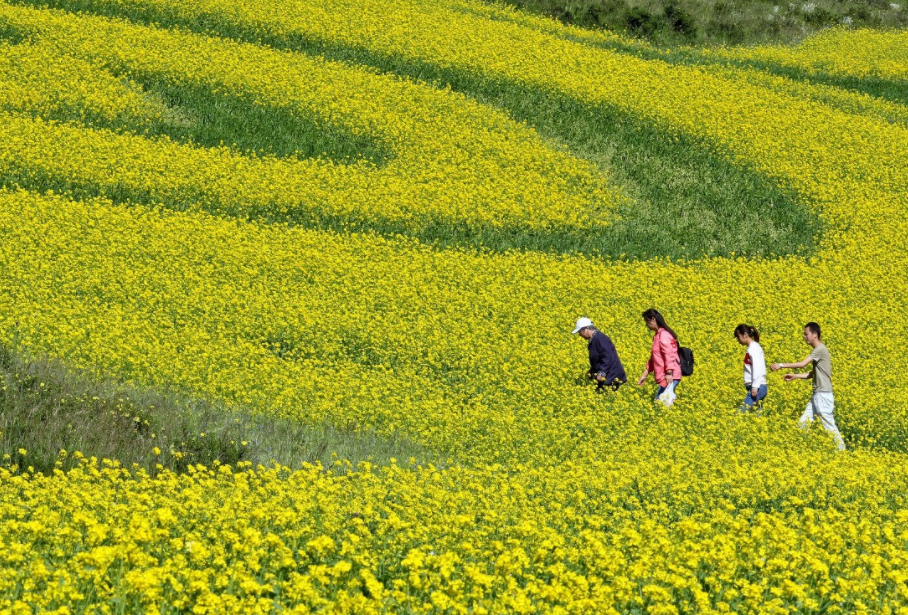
[(820, 407)]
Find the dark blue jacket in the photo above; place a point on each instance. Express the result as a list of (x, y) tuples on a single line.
[(604, 358)]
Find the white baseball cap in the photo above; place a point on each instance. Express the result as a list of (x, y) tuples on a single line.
[(582, 323)]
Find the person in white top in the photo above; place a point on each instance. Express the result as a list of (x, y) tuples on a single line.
[(754, 366)]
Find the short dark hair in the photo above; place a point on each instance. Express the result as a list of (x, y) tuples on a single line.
[(814, 328)]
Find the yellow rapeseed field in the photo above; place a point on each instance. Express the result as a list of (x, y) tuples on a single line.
[(513, 181), (170, 263)]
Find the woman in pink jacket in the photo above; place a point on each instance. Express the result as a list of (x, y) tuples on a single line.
[(663, 362)]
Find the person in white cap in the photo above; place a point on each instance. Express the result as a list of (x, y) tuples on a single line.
[(605, 366)]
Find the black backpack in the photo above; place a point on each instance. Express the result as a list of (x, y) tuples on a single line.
[(686, 355)]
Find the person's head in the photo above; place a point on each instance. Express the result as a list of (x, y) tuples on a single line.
[(587, 332), (655, 321), (812, 334), (745, 334), (584, 328)]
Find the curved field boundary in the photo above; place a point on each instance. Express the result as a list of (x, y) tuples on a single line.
[(688, 184), (684, 99), (506, 176)]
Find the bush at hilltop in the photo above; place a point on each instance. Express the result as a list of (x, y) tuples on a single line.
[(720, 21)]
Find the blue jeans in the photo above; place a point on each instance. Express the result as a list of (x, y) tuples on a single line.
[(673, 386), (750, 402)]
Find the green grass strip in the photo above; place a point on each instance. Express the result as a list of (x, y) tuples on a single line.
[(887, 89), (212, 120)]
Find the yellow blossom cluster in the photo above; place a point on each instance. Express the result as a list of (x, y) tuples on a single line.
[(37, 82), (545, 496), (591, 536)]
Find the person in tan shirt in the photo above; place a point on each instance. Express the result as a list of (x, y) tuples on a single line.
[(822, 401)]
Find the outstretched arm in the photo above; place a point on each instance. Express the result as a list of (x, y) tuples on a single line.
[(803, 376), (800, 364)]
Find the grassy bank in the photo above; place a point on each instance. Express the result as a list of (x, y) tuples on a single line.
[(714, 22), (48, 412)]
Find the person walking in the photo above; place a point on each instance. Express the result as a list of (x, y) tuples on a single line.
[(664, 363), (754, 366), (821, 401), (605, 366)]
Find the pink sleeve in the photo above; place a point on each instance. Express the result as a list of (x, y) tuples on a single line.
[(668, 348), (658, 358)]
